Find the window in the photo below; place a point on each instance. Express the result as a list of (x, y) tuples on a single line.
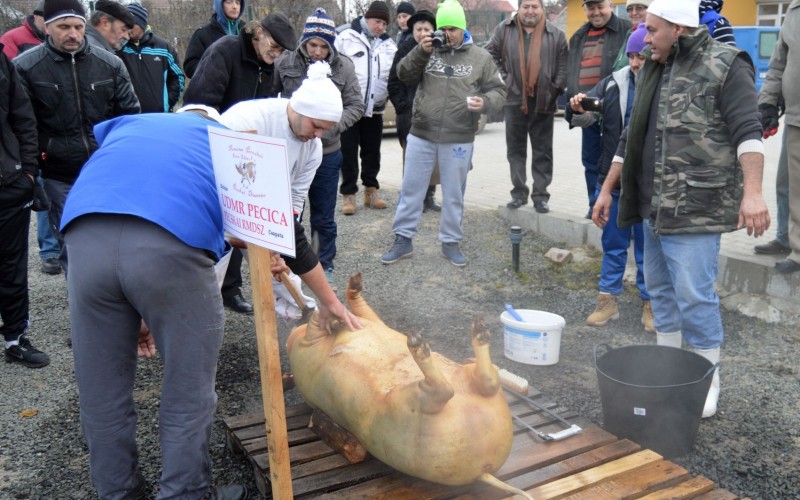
[(766, 44), (771, 13)]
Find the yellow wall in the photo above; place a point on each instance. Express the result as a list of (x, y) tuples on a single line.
[(738, 12)]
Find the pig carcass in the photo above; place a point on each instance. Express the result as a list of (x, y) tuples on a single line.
[(411, 408)]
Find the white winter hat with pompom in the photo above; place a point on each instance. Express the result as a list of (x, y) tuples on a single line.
[(318, 97)]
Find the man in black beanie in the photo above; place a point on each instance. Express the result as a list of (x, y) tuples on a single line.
[(372, 50), (237, 69), (404, 12), (64, 62), (109, 25)]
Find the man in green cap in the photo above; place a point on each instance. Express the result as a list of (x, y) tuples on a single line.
[(458, 81)]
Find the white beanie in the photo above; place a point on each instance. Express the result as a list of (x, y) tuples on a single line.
[(318, 97), (211, 112), (680, 12)]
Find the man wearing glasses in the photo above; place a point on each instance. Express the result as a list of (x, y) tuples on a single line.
[(236, 69), (637, 12)]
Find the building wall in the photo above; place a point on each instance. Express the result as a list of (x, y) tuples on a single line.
[(738, 12)]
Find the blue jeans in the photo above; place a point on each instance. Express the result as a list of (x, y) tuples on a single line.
[(782, 194), (48, 244), (591, 149), (616, 241), (680, 271), (322, 204)]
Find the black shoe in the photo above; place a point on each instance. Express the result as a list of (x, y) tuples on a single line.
[(26, 354), (541, 206), (142, 490), (51, 266), (238, 304), (515, 203), (430, 203), (774, 247), (786, 266), (229, 492)]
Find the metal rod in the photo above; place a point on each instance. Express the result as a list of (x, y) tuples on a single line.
[(540, 407)]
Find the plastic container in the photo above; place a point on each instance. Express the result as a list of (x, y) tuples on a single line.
[(653, 395), (534, 341)]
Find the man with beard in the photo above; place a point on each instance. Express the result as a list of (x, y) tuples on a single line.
[(531, 54), (109, 25), (592, 52), (317, 44)]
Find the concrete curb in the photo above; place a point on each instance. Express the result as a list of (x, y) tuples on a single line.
[(747, 284)]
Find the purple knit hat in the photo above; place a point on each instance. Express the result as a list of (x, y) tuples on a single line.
[(636, 40)]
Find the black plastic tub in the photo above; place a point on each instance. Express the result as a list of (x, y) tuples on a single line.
[(653, 395)]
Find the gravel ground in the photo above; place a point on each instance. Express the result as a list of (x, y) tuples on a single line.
[(751, 447)]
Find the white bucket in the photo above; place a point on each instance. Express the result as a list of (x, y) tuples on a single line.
[(534, 341)]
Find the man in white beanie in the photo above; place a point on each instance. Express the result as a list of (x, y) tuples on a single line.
[(691, 163)]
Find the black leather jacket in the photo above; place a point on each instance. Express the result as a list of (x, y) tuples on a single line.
[(71, 93), (17, 126)]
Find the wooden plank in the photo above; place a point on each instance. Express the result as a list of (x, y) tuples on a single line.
[(233, 423), (578, 482), (270, 368), (644, 480), (690, 488), (296, 437), (339, 478), (373, 489), (298, 454)]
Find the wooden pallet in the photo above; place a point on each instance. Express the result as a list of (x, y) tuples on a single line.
[(593, 464)]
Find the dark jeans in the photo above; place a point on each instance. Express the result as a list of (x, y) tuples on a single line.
[(15, 222), (57, 191), (322, 204), (538, 129), (591, 149), (367, 134), (232, 284)]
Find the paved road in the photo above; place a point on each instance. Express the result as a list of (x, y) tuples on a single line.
[(489, 183)]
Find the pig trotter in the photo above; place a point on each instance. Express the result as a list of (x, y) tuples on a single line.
[(485, 378), (357, 303), (315, 332), (435, 390)]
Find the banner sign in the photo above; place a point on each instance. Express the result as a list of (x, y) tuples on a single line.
[(255, 189)]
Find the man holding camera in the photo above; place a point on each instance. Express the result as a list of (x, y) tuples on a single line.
[(457, 82), (531, 54)]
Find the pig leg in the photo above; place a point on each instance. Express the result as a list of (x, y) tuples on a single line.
[(485, 379), (314, 332), (435, 390), (357, 303)]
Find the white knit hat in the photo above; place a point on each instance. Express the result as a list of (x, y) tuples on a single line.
[(680, 12), (211, 112), (318, 97)]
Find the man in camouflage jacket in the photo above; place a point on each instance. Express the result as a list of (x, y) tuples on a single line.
[(690, 164)]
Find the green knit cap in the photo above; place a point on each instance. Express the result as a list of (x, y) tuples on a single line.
[(450, 13)]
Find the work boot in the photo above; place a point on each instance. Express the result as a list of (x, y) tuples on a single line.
[(372, 200), (710, 408), (51, 266), (647, 317), (348, 204), (401, 249), (452, 253), (430, 202), (607, 309), (673, 339)]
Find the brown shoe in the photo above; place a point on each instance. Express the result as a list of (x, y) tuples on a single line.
[(647, 317), (348, 204), (372, 200), (607, 309)]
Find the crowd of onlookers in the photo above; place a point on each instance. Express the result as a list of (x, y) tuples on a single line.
[(671, 124)]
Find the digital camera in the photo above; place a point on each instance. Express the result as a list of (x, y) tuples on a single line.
[(592, 104), (439, 39)]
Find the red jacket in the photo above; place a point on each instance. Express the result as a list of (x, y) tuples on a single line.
[(21, 38)]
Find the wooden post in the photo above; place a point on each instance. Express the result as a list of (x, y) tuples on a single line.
[(269, 362)]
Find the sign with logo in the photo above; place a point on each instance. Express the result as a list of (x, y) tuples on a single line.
[(255, 189)]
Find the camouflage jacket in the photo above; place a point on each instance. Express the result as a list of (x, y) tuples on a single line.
[(697, 181)]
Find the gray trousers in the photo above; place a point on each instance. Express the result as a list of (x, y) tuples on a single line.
[(454, 160), (124, 269)]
